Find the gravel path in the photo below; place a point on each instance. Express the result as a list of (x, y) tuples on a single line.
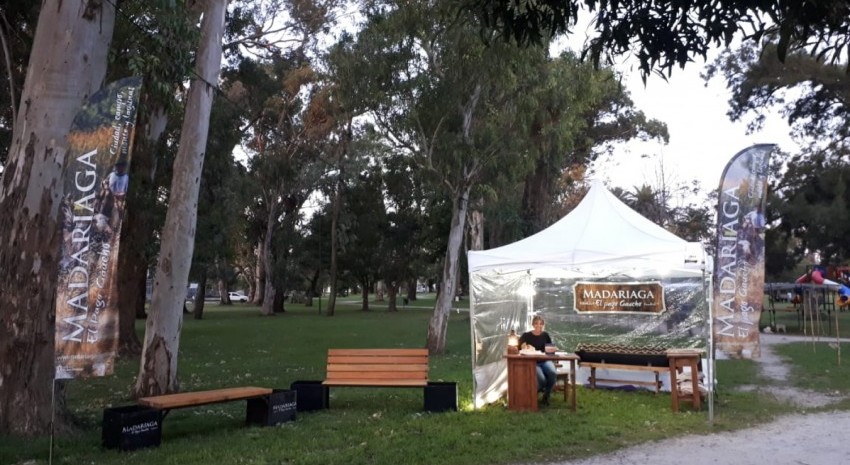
[(815, 439)]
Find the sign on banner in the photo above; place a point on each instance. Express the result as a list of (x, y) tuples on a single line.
[(739, 258), (631, 297), (92, 210)]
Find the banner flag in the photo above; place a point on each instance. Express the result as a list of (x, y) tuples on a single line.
[(92, 208), (739, 258)]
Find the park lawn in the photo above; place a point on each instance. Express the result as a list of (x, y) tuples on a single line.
[(234, 346)]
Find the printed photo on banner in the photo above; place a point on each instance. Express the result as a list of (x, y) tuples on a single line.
[(96, 183)]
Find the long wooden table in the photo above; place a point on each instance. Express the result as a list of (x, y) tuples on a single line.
[(522, 380)]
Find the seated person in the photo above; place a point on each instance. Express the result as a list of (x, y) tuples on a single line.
[(540, 341)]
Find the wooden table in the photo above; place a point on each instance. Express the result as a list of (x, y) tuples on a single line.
[(522, 380)]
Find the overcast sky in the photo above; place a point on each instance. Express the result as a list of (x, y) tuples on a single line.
[(702, 139)]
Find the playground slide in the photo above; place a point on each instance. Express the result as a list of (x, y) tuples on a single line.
[(816, 277)]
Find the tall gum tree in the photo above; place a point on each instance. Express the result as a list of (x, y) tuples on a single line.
[(67, 64), (448, 101), (158, 368)]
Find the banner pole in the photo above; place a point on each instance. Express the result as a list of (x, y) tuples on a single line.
[(52, 420)]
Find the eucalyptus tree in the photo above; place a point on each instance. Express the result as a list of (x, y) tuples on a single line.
[(808, 196), (569, 124), (363, 223), (221, 201), (447, 101), (290, 135), (66, 65), (158, 366), (286, 145), (17, 28), (154, 40), (408, 199)]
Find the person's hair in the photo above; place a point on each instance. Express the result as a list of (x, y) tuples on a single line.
[(538, 318)]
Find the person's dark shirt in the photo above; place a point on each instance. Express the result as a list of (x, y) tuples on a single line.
[(539, 342)]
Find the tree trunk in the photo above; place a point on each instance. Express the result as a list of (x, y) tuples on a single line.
[(129, 344), (279, 306), (67, 65), (392, 292), (158, 370), (141, 311), (334, 249), (260, 275), (138, 228), (411, 290), (537, 198), (200, 296), (440, 319), (365, 297), (476, 230), (268, 262), (221, 283)]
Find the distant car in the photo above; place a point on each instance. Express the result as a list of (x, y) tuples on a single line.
[(238, 297)]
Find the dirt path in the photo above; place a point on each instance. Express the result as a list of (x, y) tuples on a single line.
[(815, 439)]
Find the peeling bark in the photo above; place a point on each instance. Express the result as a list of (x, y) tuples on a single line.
[(138, 230), (158, 369), (67, 65), (440, 319)]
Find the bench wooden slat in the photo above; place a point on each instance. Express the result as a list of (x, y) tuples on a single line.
[(375, 382), (387, 360), (191, 399), (615, 366), (377, 375), (377, 367), (375, 352)]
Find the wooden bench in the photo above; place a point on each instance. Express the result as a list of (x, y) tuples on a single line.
[(624, 358), (377, 368), (168, 402), (615, 366), (135, 426), (390, 368)]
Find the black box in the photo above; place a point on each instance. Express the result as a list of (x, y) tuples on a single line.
[(131, 427), (312, 395), (277, 407), (441, 396)]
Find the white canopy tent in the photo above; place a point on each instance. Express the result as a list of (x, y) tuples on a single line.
[(601, 241), (600, 231)]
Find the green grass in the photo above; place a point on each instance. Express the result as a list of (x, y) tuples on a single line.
[(816, 365), (235, 346)]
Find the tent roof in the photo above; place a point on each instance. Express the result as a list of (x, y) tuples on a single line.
[(601, 230)]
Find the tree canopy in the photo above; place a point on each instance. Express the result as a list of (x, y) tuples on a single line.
[(667, 33)]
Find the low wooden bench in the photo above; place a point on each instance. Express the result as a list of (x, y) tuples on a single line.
[(168, 402), (377, 368), (625, 358), (134, 426), (615, 366)]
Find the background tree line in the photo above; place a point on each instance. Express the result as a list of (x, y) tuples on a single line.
[(381, 154)]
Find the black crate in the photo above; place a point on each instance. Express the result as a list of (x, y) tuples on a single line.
[(312, 395), (441, 396), (278, 407), (131, 427)]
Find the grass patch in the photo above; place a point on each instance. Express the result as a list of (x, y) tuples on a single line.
[(234, 346), (816, 367)]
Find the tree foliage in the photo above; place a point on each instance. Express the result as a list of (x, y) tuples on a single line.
[(808, 192), (667, 33)]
